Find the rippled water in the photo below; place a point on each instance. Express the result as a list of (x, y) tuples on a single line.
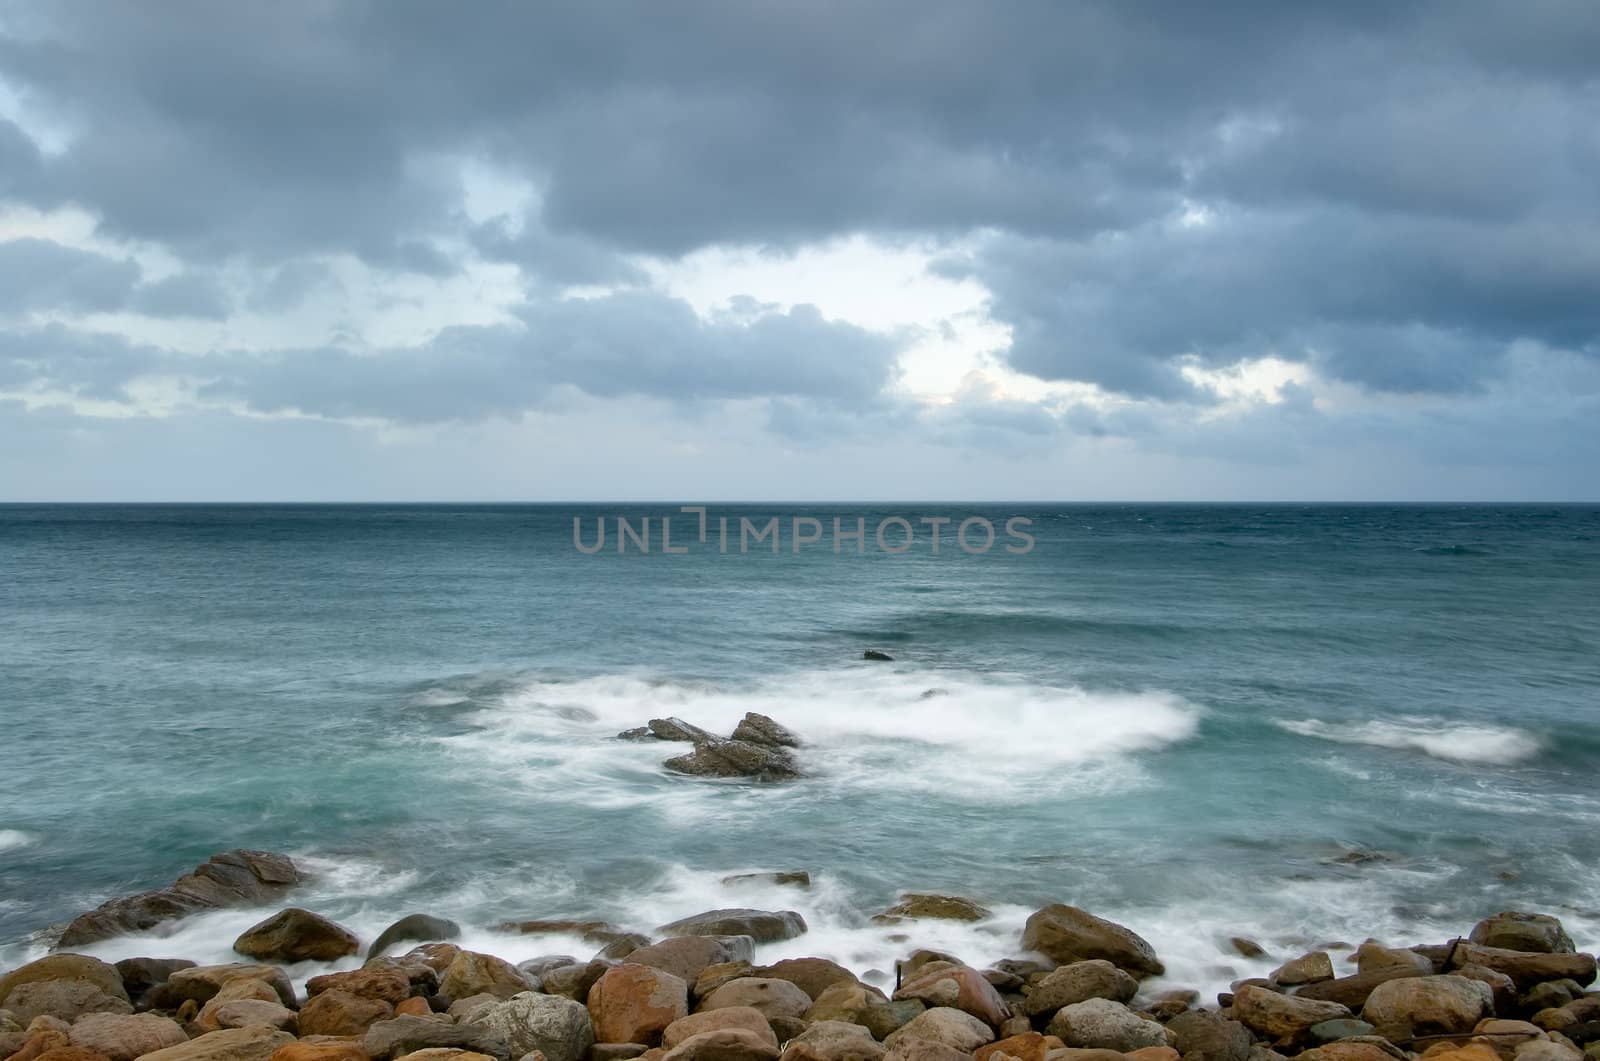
[(1178, 716)]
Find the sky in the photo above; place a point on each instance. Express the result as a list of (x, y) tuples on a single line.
[(892, 250)]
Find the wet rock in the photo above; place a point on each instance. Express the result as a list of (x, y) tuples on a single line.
[(320, 1052), (798, 878), (103, 977), (736, 758), (559, 1028), (1549, 995), (687, 956), (617, 1051), (591, 931), (1512, 930), (1352, 991), (951, 1027), (337, 1012), (772, 998), (1527, 968), (296, 935), (723, 1044), (744, 1017), (140, 975), (676, 729), (920, 958), (1311, 968), (1414, 1007), (1066, 934), (1368, 1049), (1205, 1036), (946, 907), (833, 1041), (1330, 1031), (759, 729), (1284, 1019), (389, 1039), (958, 986), (763, 926), (123, 1037), (232, 878), (1078, 982), (575, 981), (925, 1050), (621, 945), (886, 1019), (714, 976), (1504, 988), (1372, 957), (1102, 1024), (811, 975), (876, 656), (1247, 948), (845, 1001), (257, 1043), (635, 1003), (250, 1012), (381, 979), (65, 999), (201, 983), (472, 973), (414, 928)]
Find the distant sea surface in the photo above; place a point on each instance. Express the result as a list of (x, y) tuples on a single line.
[(1301, 724)]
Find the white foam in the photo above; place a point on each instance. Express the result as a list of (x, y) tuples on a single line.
[(11, 839), (1439, 738)]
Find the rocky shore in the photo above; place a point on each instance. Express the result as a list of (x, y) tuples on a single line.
[(1513, 989)]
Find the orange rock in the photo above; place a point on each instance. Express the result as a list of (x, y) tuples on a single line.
[(959, 986), (1478, 1050), (413, 1007), (320, 1052), (40, 1042), (1152, 1053), (635, 1003), (341, 1013), (379, 979), (1029, 1046)]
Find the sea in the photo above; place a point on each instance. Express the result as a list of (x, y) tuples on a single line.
[(1303, 725)]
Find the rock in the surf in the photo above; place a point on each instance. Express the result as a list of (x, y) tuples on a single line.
[(763, 926), (296, 935), (759, 729), (925, 905), (877, 656), (1066, 934), (736, 759), (414, 928), (1078, 982), (1512, 930)]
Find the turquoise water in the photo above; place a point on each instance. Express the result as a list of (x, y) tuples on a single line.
[(1180, 716)]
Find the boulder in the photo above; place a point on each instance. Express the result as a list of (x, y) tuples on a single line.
[(797, 878), (1511, 930), (759, 729), (763, 926), (1284, 1019), (232, 878), (1066, 934), (846, 1001), (928, 1050), (320, 1052), (202, 982), (772, 998), (65, 999), (101, 975), (686, 956), (575, 981), (472, 973), (381, 979), (951, 1027), (414, 928), (1527, 968), (125, 1036), (1101, 1024), (559, 1028), (877, 656), (1311, 968), (1330, 1031), (1372, 957), (1416, 1007), (296, 935), (247, 1012), (1504, 988), (714, 976), (745, 1017), (676, 729), (1352, 991), (620, 1051), (1247, 948), (960, 986), (723, 1044), (140, 975), (635, 1003), (833, 1041), (1370, 1049), (1205, 1036), (1078, 982), (334, 1011), (389, 1039), (255, 1043), (1026, 1046), (945, 907), (736, 758)]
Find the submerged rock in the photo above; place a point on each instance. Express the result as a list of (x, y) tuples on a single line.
[(947, 907), (799, 878), (736, 758), (414, 928), (1066, 934), (296, 935), (877, 656), (1512, 930)]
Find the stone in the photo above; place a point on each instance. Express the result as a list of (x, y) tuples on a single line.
[(414, 928), (1311, 968), (676, 729), (320, 1052), (952, 1027), (1066, 934), (559, 1028), (246, 1012), (845, 1001), (66, 999), (1372, 957), (960, 986), (886, 1019), (1152, 1053), (877, 656), (1027, 1046), (1473, 1051), (232, 878), (255, 1043), (811, 975), (575, 981), (1330, 1031), (1527, 968), (1352, 1050), (619, 1051), (1101, 1024), (101, 975), (125, 1036), (759, 729), (786, 1028), (928, 1050), (1415, 1007), (1352, 991), (723, 1044), (772, 998), (434, 956), (415, 1006), (1247, 948), (763, 926), (736, 758), (442, 1053), (141, 975), (833, 1041), (202, 982), (1204, 1036), (745, 1017), (714, 976), (381, 979), (394, 1038), (338, 1012), (296, 935), (797, 878), (944, 907), (1512, 930), (1284, 1019), (472, 973), (635, 1003), (687, 956), (460, 1007), (1078, 982)]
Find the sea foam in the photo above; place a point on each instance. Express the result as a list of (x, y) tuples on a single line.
[(1441, 739)]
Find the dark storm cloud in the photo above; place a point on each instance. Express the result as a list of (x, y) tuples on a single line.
[(39, 274)]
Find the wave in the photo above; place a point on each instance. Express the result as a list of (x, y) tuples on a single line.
[(1441, 739), (1451, 550), (11, 839)]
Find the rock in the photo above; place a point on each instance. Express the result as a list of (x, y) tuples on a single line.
[(1330, 1031), (686, 957), (139, 975), (1204, 1036), (745, 1017), (714, 976), (1372, 957), (920, 958), (1247, 948), (559, 1028), (951, 1027), (1474, 1051), (786, 1028), (1370, 1049), (99, 974), (320, 1052), (256, 1043), (202, 982), (1066, 934), (619, 1051), (232, 878), (1152, 1053), (676, 729), (296, 935), (1078, 982), (1284, 1019), (247, 1012), (65, 999), (1549, 995), (472, 973), (763, 926), (736, 758), (759, 729), (960, 986), (635, 1003), (1511, 930), (723, 1044), (811, 975), (947, 907), (440, 1053), (927, 1050), (379, 979), (845, 1001), (833, 1041), (123, 1037), (1411, 1008), (1504, 988), (575, 981), (877, 656), (798, 878), (772, 998), (1101, 1024), (399, 1036), (334, 1011), (1352, 991), (1527, 968), (414, 928), (1311, 968), (415, 1006), (1025, 1046)]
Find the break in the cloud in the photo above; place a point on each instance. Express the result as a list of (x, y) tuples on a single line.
[(903, 248)]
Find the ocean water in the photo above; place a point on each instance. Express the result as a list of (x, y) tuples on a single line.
[(1301, 724)]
